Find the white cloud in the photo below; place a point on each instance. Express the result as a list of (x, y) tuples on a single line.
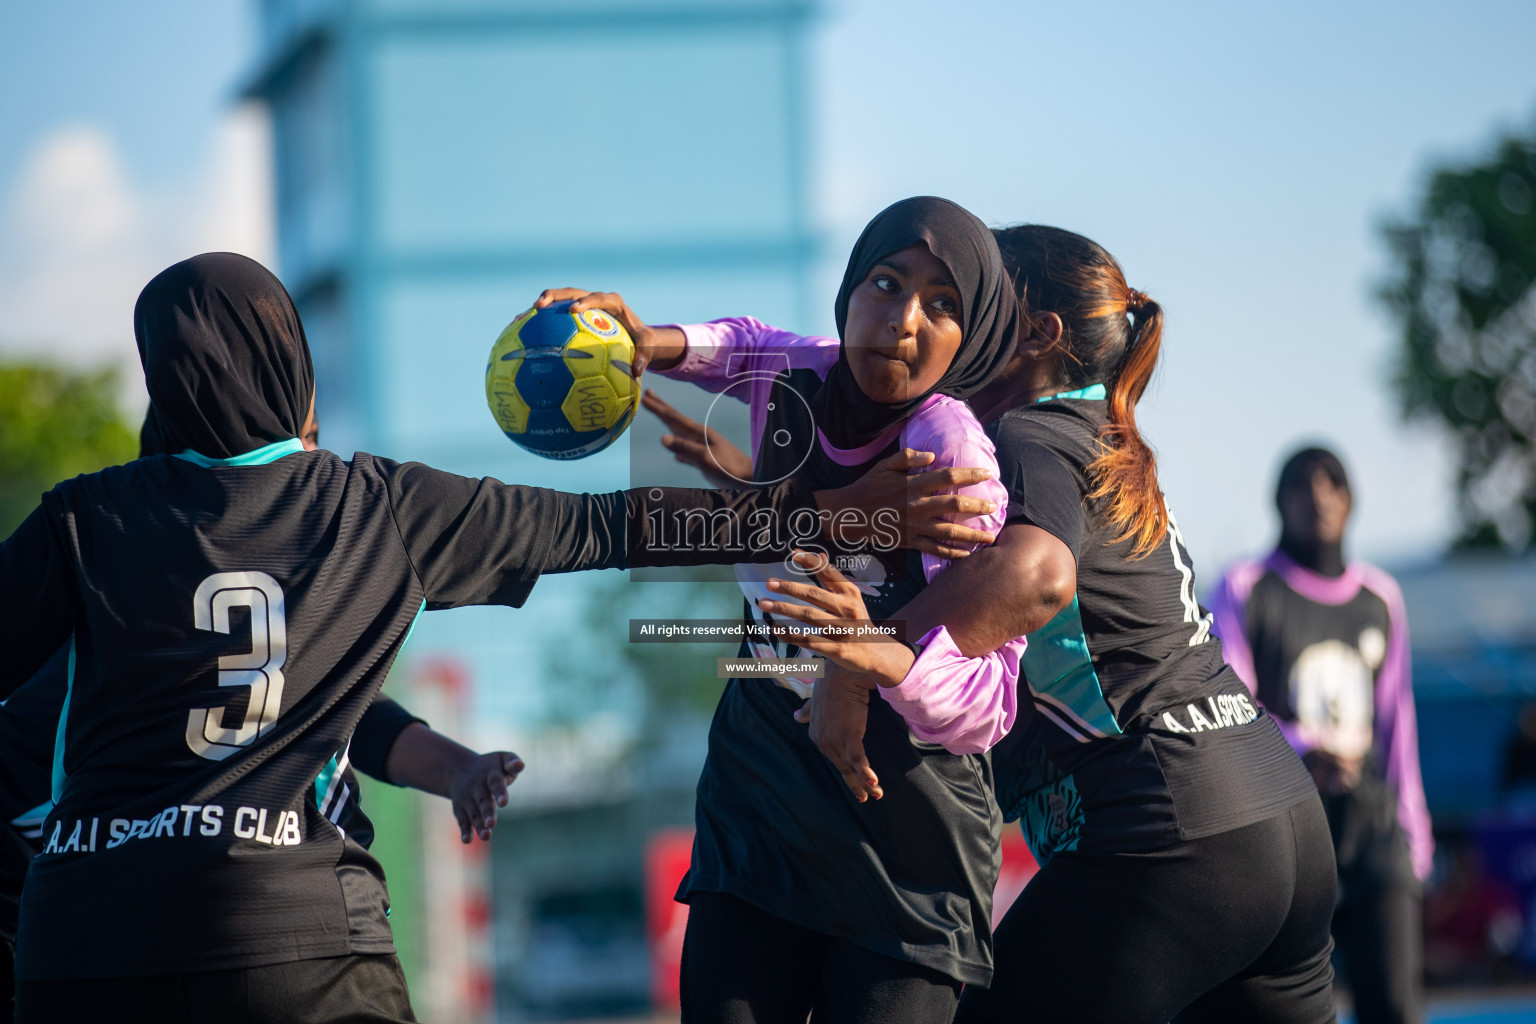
[(79, 237), (74, 250)]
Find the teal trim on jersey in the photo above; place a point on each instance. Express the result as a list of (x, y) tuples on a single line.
[(323, 782), (1059, 668), (260, 457), (58, 738), (327, 774), (1091, 392), (412, 628)]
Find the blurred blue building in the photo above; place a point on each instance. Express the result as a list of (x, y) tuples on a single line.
[(438, 163), (1472, 622)]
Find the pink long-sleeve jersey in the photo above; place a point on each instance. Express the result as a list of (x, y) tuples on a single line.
[(964, 704)]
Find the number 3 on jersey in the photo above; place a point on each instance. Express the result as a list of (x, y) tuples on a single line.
[(261, 670)]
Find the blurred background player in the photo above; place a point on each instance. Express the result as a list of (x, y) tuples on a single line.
[(1323, 644)]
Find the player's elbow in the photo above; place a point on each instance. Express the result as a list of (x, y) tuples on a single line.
[(1055, 588), (1046, 586)]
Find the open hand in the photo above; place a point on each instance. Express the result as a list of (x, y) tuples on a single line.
[(478, 787), (838, 713), (704, 448), (906, 496), (835, 608)]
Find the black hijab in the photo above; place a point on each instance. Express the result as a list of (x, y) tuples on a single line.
[(225, 359), (989, 311), (1326, 558)]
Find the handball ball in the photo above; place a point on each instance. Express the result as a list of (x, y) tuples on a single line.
[(560, 384)]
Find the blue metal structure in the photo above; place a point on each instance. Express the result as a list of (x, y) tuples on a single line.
[(439, 162)]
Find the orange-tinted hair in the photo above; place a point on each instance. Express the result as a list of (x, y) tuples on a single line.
[(1111, 335)]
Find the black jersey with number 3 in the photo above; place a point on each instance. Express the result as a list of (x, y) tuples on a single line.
[(231, 624), (29, 727), (1141, 736), (228, 624)]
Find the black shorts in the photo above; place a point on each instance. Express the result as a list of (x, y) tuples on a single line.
[(355, 989), (742, 965), (1231, 927)]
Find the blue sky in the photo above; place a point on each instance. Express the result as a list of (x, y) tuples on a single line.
[(120, 152), (1235, 160), (158, 75)]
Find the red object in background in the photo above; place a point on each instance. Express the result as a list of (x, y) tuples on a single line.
[(1018, 868), (666, 862), (458, 982), (450, 675), (667, 856)]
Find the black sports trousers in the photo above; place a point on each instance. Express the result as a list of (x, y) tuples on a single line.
[(1377, 926), (1231, 927), (742, 965), (351, 989)]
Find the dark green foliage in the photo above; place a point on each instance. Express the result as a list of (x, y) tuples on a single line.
[(1462, 293), (55, 423)]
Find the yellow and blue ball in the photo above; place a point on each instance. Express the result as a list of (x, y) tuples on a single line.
[(561, 384)]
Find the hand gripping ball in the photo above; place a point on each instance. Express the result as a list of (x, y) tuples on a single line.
[(561, 384)]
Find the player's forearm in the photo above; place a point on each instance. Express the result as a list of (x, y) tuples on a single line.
[(676, 526), (426, 760), (375, 735), (999, 593), (698, 526), (667, 346), (510, 535)]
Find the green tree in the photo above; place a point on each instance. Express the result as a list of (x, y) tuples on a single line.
[(1461, 291), (55, 423)]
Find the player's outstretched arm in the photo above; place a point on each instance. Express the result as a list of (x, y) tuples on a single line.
[(898, 482), (714, 355), (395, 746), (476, 784), (484, 542)]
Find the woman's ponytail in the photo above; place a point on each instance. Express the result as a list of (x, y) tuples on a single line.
[(1111, 335), (1125, 475)]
